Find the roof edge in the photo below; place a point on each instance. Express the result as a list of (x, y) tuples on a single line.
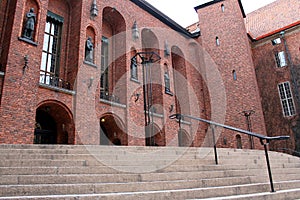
[(217, 1), (207, 4), (276, 31), (162, 17)]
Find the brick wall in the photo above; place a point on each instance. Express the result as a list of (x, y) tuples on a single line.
[(269, 76), (22, 95), (233, 54)]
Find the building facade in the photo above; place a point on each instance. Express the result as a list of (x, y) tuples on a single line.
[(112, 72), (274, 32)]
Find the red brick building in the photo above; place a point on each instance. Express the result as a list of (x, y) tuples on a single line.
[(274, 31), (112, 72)]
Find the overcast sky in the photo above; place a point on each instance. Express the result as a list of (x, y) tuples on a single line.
[(182, 11)]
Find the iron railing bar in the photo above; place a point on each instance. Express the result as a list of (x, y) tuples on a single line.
[(215, 144), (260, 136)]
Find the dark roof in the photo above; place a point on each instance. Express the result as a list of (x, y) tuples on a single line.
[(163, 18), (217, 1), (273, 18)]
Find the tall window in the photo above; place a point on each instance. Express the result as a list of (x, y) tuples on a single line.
[(104, 67), (223, 8), (280, 59), (286, 98), (51, 48), (217, 41)]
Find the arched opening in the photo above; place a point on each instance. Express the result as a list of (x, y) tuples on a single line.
[(113, 57), (184, 138), (54, 124), (223, 8), (234, 76), (45, 128), (217, 41), (150, 44), (239, 144), (156, 136), (180, 81), (112, 131)]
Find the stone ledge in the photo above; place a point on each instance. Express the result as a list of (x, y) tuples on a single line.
[(113, 103), (156, 114), (57, 89), (90, 64)]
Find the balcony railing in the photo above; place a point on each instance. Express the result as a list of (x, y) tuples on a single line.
[(52, 80), (108, 97)]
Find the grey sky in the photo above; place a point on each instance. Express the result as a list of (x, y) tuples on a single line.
[(183, 11)]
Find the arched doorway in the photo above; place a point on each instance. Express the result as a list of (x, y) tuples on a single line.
[(183, 138), (54, 124), (180, 80), (45, 128), (156, 136), (239, 144), (112, 131)]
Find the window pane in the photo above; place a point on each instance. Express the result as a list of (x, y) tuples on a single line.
[(49, 60), (287, 90), (50, 44), (285, 108), (44, 61), (42, 77), (52, 29), (291, 106), (281, 56), (46, 42), (281, 91), (47, 27)]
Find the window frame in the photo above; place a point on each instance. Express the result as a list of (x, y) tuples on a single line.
[(50, 61), (280, 58), (286, 99)]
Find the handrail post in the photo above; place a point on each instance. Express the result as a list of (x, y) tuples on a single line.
[(215, 145), (268, 164)]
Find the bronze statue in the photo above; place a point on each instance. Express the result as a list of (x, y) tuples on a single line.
[(30, 24), (89, 47)]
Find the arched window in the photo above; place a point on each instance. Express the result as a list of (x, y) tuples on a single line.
[(234, 76), (223, 8), (217, 41)]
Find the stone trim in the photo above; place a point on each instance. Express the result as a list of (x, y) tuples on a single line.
[(57, 89), (113, 103), (157, 115)]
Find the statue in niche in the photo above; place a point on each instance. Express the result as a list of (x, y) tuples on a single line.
[(30, 24), (89, 49), (167, 82)]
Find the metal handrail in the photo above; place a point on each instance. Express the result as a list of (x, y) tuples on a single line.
[(291, 151), (264, 140)]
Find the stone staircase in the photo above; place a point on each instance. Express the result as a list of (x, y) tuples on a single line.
[(147, 173)]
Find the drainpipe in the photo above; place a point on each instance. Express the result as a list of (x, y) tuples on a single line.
[(292, 70)]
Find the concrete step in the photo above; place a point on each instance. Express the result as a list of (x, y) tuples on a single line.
[(176, 194), (290, 194), (106, 172), (44, 189), (118, 178)]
